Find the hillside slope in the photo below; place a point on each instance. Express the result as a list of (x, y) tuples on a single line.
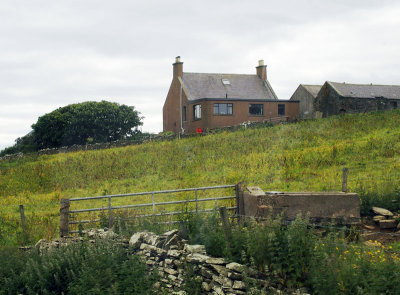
[(304, 156)]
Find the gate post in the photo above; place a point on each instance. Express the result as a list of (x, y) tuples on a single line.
[(239, 197), (64, 217)]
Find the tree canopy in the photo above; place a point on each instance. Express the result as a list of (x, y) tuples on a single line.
[(87, 122)]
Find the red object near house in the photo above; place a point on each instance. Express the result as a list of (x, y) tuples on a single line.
[(199, 130)]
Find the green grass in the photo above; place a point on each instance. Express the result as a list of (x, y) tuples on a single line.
[(304, 156)]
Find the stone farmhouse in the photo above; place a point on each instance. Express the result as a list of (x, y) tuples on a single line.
[(341, 98), (306, 94), (202, 101)]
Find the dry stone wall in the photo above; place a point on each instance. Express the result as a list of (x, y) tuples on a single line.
[(175, 260), (180, 264)]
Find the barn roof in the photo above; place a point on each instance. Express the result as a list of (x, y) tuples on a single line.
[(366, 90), (312, 89), (231, 86)]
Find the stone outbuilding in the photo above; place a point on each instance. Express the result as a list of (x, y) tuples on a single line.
[(341, 98), (201, 101), (306, 95)]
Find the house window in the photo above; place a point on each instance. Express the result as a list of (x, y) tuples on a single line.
[(281, 110), (393, 104), (223, 109), (197, 111), (184, 113), (256, 109)]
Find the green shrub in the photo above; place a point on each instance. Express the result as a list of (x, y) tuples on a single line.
[(99, 268)]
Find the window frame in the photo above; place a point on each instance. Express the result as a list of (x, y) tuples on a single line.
[(256, 104), (184, 114), (280, 107), (197, 112), (229, 106)]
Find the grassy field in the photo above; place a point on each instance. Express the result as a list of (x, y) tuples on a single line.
[(304, 156)]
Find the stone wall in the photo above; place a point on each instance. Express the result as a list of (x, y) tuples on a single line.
[(330, 103), (179, 264), (175, 260)]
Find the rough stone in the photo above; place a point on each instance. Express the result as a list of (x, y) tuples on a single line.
[(239, 285), (222, 270), (172, 277), (149, 248), (212, 260), (377, 218), (218, 290), (387, 224), (235, 276), (370, 227), (42, 245), (206, 273), (205, 286), (227, 283), (170, 271), (197, 258), (235, 267), (150, 262), (195, 249), (172, 242), (382, 211), (150, 238), (173, 253), (218, 279), (136, 240)]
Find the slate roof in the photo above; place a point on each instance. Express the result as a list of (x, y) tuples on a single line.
[(246, 87), (312, 89), (366, 90)]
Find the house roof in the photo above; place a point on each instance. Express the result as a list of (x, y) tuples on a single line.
[(366, 90), (312, 89), (246, 87)]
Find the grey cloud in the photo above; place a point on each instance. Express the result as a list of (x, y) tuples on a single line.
[(55, 53)]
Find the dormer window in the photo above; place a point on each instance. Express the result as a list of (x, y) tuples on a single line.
[(226, 82)]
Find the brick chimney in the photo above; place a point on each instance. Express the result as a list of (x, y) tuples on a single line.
[(262, 70), (178, 67)]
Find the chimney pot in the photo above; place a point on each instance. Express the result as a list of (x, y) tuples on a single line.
[(261, 62), (178, 59)]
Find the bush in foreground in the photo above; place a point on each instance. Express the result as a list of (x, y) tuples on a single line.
[(100, 268), (295, 256)]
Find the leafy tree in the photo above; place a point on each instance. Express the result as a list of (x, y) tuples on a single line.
[(87, 122), (24, 144)]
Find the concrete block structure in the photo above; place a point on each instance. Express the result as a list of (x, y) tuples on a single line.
[(306, 95), (321, 207)]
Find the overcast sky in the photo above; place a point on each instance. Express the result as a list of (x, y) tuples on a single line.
[(58, 52)]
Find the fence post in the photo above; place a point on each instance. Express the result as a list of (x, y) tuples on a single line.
[(22, 213), (154, 203), (238, 191), (226, 225), (344, 179), (110, 214), (64, 217), (195, 195)]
